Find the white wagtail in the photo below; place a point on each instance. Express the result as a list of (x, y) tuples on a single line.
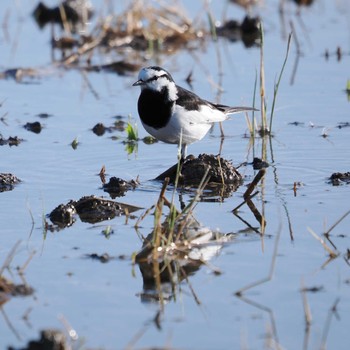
[(173, 114)]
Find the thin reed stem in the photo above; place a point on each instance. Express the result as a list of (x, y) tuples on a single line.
[(275, 90)]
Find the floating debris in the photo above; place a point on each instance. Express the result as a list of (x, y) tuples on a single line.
[(100, 129), (314, 289), (343, 125), (8, 181), (44, 115), (337, 179), (11, 141), (34, 127), (19, 74), (103, 258)]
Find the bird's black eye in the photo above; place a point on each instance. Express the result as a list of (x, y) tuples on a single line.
[(156, 77)]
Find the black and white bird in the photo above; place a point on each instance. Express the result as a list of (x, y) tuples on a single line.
[(173, 114)]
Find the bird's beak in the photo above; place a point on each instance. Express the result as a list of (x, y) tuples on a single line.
[(138, 83)]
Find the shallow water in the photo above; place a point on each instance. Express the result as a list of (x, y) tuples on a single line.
[(102, 302)]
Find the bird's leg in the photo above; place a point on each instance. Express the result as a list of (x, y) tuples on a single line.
[(221, 143), (183, 153)]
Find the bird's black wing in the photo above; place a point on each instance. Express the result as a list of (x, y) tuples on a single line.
[(193, 102), (190, 100)]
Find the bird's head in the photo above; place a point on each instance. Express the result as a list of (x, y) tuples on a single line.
[(157, 79)]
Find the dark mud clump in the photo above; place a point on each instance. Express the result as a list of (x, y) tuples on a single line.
[(193, 170), (259, 164), (11, 141), (337, 179), (63, 214), (117, 187), (90, 209), (34, 127), (99, 129), (248, 31), (8, 181), (50, 339), (103, 258), (69, 11), (93, 209)]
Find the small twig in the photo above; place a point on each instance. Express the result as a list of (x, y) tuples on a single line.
[(10, 325), (254, 183), (221, 171), (73, 335), (82, 50), (307, 311), (337, 222), (141, 218), (65, 22), (24, 266), (332, 253), (9, 257), (190, 286)]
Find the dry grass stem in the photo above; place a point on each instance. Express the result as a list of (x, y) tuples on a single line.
[(336, 223), (25, 265), (262, 84), (331, 252), (190, 286), (9, 257), (142, 217), (307, 310)]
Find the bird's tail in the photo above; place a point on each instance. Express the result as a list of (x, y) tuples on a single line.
[(232, 110)]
